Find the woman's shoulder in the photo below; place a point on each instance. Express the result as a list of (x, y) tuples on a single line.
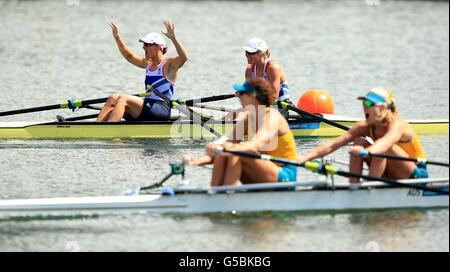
[(168, 60), (283, 125), (275, 115), (360, 128), (274, 65), (398, 123)]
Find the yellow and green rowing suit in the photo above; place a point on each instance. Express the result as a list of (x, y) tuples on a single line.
[(286, 149), (414, 149)]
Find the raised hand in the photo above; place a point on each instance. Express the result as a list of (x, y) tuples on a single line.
[(170, 30), (115, 29)]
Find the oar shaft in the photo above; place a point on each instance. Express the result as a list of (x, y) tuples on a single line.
[(83, 103), (29, 110), (156, 185), (438, 163), (54, 107), (84, 117), (185, 111), (314, 167), (208, 107), (311, 115), (393, 157), (258, 156), (391, 182), (65, 105), (191, 102), (197, 119)]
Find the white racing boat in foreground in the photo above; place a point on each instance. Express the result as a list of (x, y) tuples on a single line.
[(318, 196)]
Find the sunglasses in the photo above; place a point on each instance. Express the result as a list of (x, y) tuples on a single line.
[(368, 103), (251, 53), (240, 94), (149, 44)]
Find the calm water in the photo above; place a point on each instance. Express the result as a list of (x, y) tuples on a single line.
[(51, 51)]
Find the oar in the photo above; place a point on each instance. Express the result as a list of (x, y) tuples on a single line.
[(185, 110), (288, 106), (191, 102), (364, 153), (77, 118), (187, 102), (328, 169), (70, 104), (93, 107), (175, 169), (209, 107)]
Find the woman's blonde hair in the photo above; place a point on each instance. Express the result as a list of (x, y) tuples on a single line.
[(392, 107)]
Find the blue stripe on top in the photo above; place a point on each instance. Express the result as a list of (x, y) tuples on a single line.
[(159, 81)]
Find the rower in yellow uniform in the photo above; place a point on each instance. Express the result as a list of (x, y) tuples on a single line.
[(268, 133), (383, 131)]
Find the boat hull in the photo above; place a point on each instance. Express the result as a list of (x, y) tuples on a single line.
[(178, 129), (370, 197)]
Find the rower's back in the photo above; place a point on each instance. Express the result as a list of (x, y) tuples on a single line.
[(284, 146)]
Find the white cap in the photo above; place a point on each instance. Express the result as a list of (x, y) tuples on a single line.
[(255, 45), (155, 38)]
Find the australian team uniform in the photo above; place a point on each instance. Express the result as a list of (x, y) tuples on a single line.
[(414, 149), (286, 149)]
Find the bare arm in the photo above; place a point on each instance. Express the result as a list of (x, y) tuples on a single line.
[(392, 137), (274, 72), (203, 160), (356, 131), (178, 61), (248, 73), (126, 52), (240, 130), (263, 136)]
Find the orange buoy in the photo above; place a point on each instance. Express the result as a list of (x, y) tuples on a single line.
[(316, 101)]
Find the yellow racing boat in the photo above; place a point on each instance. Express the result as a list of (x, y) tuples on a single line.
[(182, 128)]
